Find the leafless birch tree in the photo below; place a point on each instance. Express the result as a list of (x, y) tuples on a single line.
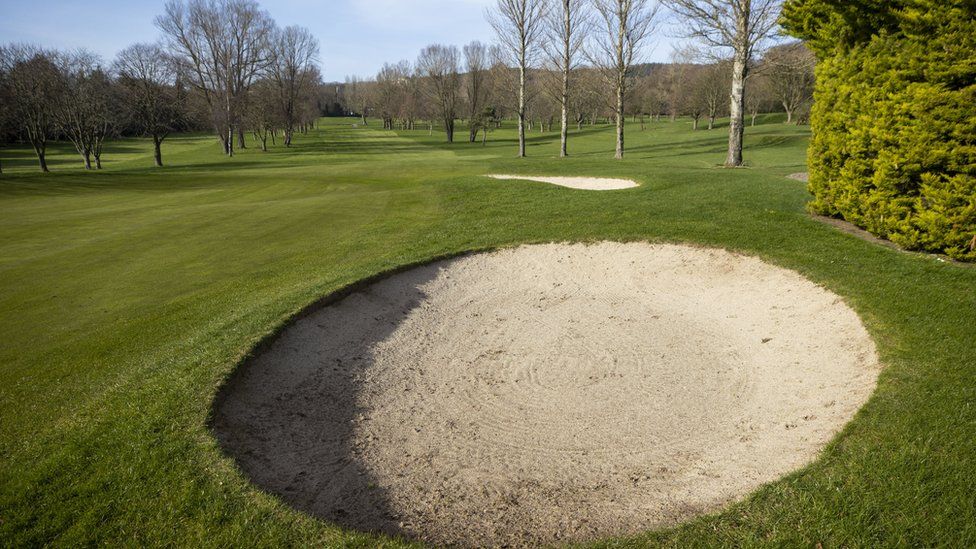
[(567, 25), (520, 25), (621, 29), (742, 26)]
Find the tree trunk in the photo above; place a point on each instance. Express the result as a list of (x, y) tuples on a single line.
[(229, 120), (564, 116), (789, 115), (240, 139), (157, 152), (86, 156), (449, 128), (740, 67), (754, 115), (567, 60), (98, 161), (711, 122), (621, 90), (521, 107), (695, 125), (41, 157)]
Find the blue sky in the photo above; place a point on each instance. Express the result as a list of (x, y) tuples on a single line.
[(357, 36)]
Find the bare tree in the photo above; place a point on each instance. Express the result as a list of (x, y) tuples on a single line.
[(264, 114), (83, 112), (758, 95), (590, 99), (392, 90), (677, 82), (543, 107), (789, 70), (711, 85), (742, 26), (519, 25), (476, 86), (224, 45), (359, 97), (439, 66), (503, 83), (413, 101), (623, 26), (34, 87), (567, 25), (689, 101), (293, 52), (151, 92)]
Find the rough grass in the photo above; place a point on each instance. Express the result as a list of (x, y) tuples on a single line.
[(128, 295)]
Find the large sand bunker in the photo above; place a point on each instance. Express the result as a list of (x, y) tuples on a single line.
[(548, 393), (584, 183)]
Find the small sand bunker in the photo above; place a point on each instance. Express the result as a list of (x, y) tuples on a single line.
[(548, 393), (803, 177), (585, 183)]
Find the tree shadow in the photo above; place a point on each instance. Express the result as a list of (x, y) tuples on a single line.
[(288, 414)]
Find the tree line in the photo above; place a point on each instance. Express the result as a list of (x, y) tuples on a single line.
[(474, 84), (578, 60), (225, 65), (220, 64)]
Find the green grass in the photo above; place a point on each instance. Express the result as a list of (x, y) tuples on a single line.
[(128, 295)]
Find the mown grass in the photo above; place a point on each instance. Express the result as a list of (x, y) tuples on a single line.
[(128, 295)]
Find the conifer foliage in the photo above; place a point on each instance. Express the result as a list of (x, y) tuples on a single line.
[(894, 120)]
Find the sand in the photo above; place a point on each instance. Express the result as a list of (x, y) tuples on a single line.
[(548, 393), (584, 183), (802, 177)]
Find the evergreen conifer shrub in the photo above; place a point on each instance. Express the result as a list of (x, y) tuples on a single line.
[(894, 120)]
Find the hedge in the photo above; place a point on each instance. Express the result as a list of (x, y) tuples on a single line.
[(894, 119)]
